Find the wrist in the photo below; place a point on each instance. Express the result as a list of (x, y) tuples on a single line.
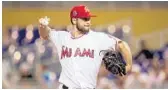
[(128, 68)]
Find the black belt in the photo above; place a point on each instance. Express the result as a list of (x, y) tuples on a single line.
[(64, 87)]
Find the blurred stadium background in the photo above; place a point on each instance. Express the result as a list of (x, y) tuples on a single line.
[(29, 62)]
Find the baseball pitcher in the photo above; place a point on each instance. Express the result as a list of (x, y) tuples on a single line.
[(81, 51)]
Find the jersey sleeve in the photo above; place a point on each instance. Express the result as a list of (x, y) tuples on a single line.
[(109, 41), (54, 36)]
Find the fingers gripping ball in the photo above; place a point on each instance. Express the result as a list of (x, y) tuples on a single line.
[(114, 63), (44, 21)]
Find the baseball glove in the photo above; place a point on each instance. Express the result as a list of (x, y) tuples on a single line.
[(114, 63)]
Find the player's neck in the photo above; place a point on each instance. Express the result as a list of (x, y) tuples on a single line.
[(76, 33)]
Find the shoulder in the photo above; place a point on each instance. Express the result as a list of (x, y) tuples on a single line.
[(61, 32), (102, 35), (98, 34)]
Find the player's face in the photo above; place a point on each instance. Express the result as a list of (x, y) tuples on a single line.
[(83, 24)]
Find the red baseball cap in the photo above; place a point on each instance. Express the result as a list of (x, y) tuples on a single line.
[(80, 11)]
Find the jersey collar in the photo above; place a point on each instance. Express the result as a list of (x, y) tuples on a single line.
[(79, 36)]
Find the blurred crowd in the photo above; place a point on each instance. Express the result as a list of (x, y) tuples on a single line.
[(30, 62)]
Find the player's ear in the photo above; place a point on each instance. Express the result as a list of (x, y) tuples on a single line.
[(73, 21)]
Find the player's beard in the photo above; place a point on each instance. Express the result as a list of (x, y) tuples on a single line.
[(82, 29)]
